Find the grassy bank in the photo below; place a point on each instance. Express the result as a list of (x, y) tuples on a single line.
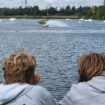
[(18, 17), (40, 17), (48, 17)]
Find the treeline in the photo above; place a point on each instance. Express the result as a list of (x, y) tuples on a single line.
[(93, 12)]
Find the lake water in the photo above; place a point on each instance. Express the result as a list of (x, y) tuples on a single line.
[(56, 47)]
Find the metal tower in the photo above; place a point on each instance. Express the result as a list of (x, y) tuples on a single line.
[(104, 3), (25, 3), (48, 7)]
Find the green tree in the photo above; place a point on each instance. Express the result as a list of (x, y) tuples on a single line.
[(100, 14), (52, 11), (36, 10), (73, 10), (67, 10)]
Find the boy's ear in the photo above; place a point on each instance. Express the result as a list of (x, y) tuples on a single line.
[(36, 77)]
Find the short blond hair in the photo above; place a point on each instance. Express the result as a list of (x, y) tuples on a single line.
[(18, 67), (90, 65)]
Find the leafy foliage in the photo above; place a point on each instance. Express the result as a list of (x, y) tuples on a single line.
[(82, 12)]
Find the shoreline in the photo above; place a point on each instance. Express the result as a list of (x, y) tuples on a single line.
[(45, 17), (40, 17)]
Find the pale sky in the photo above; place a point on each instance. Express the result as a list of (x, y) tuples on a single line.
[(54, 3)]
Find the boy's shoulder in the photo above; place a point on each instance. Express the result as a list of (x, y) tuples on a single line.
[(38, 88)]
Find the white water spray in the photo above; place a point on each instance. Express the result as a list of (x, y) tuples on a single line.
[(55, 23), (12, 19)]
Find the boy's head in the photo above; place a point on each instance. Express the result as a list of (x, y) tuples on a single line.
[(90, 65), (19, 67)]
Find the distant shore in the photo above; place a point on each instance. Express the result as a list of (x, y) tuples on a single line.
[(46, 17), (41, 17)]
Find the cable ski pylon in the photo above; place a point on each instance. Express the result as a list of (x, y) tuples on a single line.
[(24, 3), (104, 3)]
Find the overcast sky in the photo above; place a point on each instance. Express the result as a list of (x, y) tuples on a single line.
[(55, 3)]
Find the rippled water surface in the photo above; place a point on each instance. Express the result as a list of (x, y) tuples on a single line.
[(56, 51)]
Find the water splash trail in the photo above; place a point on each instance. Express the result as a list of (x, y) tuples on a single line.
[(55, 23)]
